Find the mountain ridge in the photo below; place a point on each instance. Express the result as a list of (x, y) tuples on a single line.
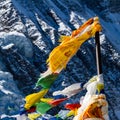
[(42, 22)]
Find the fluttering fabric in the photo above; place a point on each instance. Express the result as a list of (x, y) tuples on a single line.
[(61, 55), (57, 101), (43, 107), (92, 106), (73, 107), (33, 116), (46, 81), (94, 84), (46, 100), (96, 109), (69, 91), (34, 98)]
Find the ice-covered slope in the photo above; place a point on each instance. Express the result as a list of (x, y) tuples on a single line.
[(34, 28), (10, 96)]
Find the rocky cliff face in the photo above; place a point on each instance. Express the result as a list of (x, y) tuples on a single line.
[(34, 28)]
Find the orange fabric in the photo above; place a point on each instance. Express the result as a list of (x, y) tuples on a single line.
[(61, 55)]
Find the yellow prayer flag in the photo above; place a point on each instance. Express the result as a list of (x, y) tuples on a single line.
[(33, 116), (33, 98), (61, 55), (46, 100), (72, 112)]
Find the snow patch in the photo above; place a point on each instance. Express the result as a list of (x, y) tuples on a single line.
[(76, 20), (8, 46), (19, 40)]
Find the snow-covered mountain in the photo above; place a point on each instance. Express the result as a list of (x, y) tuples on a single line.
[(30, 29)]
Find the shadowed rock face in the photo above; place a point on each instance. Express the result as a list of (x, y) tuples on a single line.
[(41, 23), (100, 5)]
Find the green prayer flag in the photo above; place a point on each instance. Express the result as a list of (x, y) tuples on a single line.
[(43, 107), (47, 81)]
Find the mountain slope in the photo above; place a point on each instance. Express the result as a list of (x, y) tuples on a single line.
[(34, 28)]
